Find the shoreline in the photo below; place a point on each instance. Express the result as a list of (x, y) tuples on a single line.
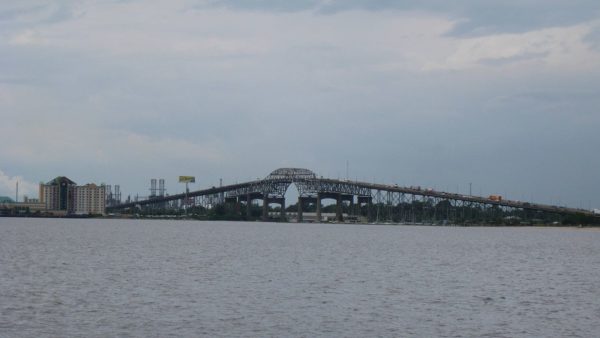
[(423, 224)]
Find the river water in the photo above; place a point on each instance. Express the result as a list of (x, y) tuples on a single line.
[(151, 278)]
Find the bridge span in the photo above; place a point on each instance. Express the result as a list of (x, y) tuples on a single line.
[(396, 201)]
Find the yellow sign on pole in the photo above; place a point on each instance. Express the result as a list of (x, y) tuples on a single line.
[(187, 179)]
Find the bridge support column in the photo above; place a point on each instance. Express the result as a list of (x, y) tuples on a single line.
[(282, 215), (318, 207), (299, 219), (265, 213), (248, 207), (338, 209)]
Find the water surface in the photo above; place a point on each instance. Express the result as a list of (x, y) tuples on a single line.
[(140, 278)]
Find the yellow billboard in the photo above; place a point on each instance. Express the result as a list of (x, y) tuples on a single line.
[(187, 179)]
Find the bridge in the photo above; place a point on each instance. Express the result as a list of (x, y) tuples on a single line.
[(371, 200)]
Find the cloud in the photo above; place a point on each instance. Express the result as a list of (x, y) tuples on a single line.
[(210, 41), (130, 33), (552, 47), (476, 17), (35, 12), (58, 143), (8, 185), (125, 91), (593, 37), (27, 37)]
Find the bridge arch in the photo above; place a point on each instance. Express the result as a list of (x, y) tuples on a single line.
[(278, 182), (291, 174)]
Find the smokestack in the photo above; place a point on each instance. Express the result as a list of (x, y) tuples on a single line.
[(153, 187), (161, 187), (17, 193)]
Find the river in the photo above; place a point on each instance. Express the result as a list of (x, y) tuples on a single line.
[(156, 278)]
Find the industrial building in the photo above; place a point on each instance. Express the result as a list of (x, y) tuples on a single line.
[(8, 207)]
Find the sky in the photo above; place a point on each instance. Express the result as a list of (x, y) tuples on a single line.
[(501, 94)]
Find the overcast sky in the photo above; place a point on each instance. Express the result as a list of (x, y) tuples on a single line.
[(504, 94)]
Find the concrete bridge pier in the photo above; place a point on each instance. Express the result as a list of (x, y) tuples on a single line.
[(368, 201), (282, 203), (338, 209), (265, 211), (265, 208), (300, 219), (232, 203), (248, 207), (319, 207)]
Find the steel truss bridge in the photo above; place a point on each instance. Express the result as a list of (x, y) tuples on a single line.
[(381, 201)]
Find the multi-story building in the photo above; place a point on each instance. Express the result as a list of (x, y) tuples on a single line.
[(61, 195), (57, 194), (90, 199)]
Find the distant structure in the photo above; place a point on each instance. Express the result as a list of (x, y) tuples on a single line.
[(6, 199), (8, 207), (63, 197), (157, 190), (161, 187), (153, 188), (113, 198), (90, 199), (30, 200), (356, 201), (58, 195)]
